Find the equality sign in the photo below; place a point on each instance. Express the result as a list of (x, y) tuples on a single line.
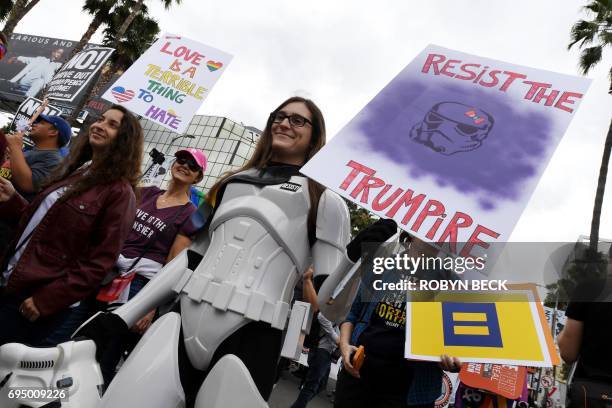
[(481, 327), (453, 147), (170, 81), (26, 110), (71, 79)]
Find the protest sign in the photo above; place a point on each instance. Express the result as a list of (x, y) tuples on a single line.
[(450, 381), (71, 79), (26, 111), (170, 81), (453, 147), (560, 319), (505, 380), (483, 327), (154, 175)]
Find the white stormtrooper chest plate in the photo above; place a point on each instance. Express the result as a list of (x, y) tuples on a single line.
[(258, 250)]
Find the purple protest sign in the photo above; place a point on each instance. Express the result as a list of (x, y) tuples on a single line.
[(453, 147)]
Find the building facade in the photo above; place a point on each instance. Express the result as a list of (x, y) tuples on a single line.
[(227, 144)]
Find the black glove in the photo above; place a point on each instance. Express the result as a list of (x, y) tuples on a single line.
[(105, 330), (380, 231)]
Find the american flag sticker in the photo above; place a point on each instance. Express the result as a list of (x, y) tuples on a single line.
[(121, 94)]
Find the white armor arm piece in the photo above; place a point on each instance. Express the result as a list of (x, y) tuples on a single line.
[(165, 284), (329, 256)]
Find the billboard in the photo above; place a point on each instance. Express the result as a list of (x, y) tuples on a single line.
[(30, 64)]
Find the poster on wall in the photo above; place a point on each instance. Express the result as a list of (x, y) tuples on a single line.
[(170, 81)]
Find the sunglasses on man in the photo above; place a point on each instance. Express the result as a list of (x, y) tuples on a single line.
[(193, 166)]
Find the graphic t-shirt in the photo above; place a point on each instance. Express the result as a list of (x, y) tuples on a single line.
[(385, 335), (153, 223)]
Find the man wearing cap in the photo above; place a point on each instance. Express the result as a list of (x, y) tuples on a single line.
[(29, 169)]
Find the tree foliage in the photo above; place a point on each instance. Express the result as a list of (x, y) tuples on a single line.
[(360, 218)]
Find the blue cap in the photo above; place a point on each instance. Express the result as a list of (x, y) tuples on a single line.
[(64, 131)]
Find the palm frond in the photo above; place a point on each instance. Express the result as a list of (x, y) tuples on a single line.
[(169, 3), (5, 8), (584, 32), (589, 58)]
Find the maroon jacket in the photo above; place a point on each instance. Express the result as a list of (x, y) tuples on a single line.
[(73, 247)]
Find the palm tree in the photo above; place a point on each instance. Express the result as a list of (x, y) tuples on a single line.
[(135, 41), (130, 45), (593, 37), (19, 9), (5, 8), (101, 12), (135, 10)]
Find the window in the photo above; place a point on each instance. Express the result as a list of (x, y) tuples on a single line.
[(212, 157), (227, 146), (216, 169), (243, 150)]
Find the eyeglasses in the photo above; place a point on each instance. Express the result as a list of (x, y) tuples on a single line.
[(193, 166), (295, 120)]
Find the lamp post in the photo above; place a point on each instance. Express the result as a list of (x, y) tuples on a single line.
[(174, 139)]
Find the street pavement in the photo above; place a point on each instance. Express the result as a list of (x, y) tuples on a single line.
[(286, 391)]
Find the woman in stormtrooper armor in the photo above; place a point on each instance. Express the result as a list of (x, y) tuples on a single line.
[(294, 132)]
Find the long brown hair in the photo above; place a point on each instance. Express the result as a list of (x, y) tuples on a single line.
[(263, 153), (121, 160)]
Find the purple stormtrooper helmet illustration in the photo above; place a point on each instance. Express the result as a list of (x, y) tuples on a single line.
[(452, 127)]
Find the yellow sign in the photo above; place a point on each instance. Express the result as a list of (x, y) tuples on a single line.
[(483, 327)]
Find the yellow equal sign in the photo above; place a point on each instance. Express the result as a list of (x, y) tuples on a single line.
[(470, 330), (469, 317)]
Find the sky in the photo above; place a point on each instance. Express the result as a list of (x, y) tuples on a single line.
[(341, 53)]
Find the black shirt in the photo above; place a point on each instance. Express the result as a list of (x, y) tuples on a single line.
[(595, 361)]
